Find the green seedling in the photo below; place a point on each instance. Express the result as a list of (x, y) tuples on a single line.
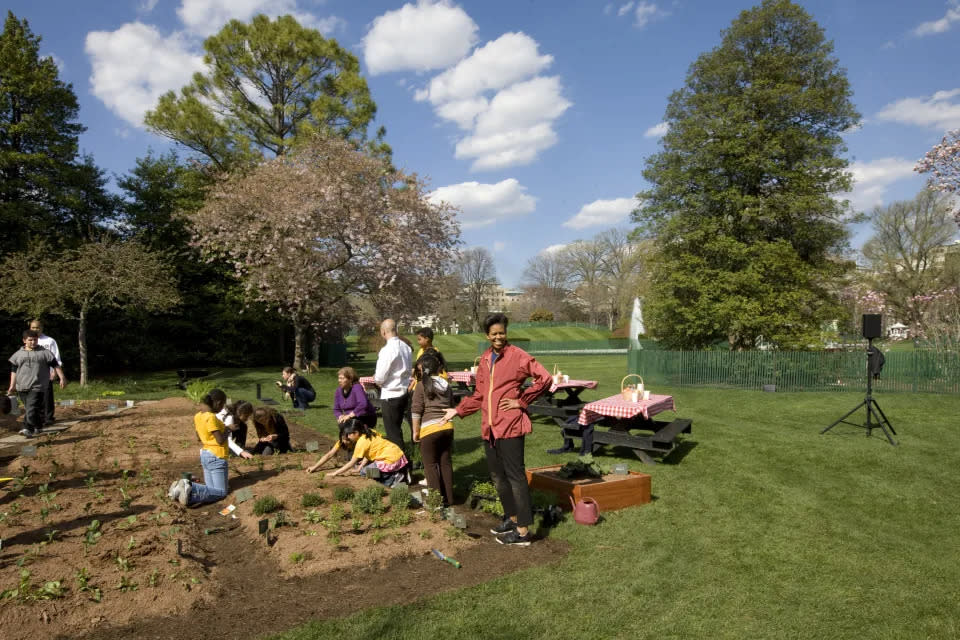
[(123, 564), (51, 534), (313, 516), (126, 584), (154, 578)]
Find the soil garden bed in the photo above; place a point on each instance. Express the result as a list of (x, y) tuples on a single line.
[(92, 546)]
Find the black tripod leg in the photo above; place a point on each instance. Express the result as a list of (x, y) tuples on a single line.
[(845, 416), (882, 426)]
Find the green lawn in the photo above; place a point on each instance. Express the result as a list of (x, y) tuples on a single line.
[(762, 528)]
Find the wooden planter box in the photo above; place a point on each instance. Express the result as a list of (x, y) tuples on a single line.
[(611, 492)]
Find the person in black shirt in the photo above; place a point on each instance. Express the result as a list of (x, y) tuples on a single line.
[(300, 390)]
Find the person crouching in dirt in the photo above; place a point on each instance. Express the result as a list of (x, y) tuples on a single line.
[(273, 435), (234, 417), (299, 388), (371, 451), (342, 444), (213, 456)]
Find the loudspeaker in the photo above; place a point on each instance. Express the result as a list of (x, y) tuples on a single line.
[(872, 326)]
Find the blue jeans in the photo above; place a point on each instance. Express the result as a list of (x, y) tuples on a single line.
[(303, 397), (214, 477)]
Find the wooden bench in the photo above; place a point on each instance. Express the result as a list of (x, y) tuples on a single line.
[(354, 356), (662, 441), (190, 374)]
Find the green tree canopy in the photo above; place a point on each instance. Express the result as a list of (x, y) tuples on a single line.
[(269, 83), (38, 137), (741, 200)]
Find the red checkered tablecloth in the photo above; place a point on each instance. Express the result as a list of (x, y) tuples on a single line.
[(573, 384), (466, 377), (617, 407)]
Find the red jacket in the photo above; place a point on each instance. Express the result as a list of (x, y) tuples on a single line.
[(503, 379)]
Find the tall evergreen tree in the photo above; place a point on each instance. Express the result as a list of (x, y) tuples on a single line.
[(741, 200), (38, 137)]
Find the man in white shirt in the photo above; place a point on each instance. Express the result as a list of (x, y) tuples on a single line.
[(50, 345), (394, 363)]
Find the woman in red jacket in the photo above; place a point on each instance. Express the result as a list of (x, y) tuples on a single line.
[(503, 402)]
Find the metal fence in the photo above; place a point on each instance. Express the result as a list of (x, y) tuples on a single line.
[(916, 371)]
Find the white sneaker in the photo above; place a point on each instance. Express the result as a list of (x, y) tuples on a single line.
[(423, 483), (174, 490), (183, 496)]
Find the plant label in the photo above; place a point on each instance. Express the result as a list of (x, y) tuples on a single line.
[(263, 526), (29, 451), (243, 495), (313, 445)]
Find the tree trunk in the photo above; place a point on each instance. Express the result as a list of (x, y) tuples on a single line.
[(82, 343), (299, 342)]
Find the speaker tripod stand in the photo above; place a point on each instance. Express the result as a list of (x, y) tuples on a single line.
[(873, 409)]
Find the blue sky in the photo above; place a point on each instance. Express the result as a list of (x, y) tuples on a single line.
[(534, 116)]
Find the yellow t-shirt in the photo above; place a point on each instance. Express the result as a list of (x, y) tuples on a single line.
[(377, 449), (434, 427), (206, 423)]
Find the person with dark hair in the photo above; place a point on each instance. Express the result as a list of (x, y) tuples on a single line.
[(432, 396), (350, 400), (372, 451), (30, 368), (392, 375), (502, 400), (300, 390), (342, 444), (50, 345), (234, 417), (213, 456), (273, 435)]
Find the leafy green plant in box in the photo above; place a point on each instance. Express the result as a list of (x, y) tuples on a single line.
[(266, 504), (584, 466)]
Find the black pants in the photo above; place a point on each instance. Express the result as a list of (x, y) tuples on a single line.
[(392, 411), (48, 403), (505, 462), (32, 409), (435, 451)]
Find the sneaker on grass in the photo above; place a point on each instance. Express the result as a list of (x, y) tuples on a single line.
[(504, 527), (513, 537)]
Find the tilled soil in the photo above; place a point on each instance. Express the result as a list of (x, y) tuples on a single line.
[(92, 547)]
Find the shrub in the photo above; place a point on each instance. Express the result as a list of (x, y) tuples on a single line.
[(199, 388), (343, 494), (400, 496), (311, 500), (266, 504), (368, 500)]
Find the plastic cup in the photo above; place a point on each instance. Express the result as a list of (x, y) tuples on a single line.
[(129, 403), (646, 394)]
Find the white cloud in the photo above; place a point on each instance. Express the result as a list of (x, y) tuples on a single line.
[(147, 6), (602, 213), (483, 204), (624, 9), (872, 179), (552, 249), (134, 65), (939, 111), (646, 11), (206, 17), (428, 35), (499, 63), (657, 131), (943, 24)]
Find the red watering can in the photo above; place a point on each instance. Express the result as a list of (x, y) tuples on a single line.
[(585, 511)]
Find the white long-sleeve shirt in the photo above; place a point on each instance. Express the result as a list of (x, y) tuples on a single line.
[(228, 421), (394, 363), (50, 345)]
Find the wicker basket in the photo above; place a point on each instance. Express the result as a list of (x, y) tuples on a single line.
[(476, 364), (627, 390)]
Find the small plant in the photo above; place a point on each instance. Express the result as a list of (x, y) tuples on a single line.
[(83, 585), (400, 518), (368, 500), (343, 494), (400, 496), (126, 584), (357, 524), (334, 538), (91, 535), (266, 504), (129, 522), (377, 537), (154, 578), (426, 534), (336, 515), (377, 522), (51, 534), (434, 503), (313, 516), (199, 388), (127, 499), (297, 557), (311, 500), (453, 533), (279, 520), (123, 564), (26, 592), (259, 462), (131, 543)]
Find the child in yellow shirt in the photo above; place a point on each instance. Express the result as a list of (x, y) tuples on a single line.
[(372, 451)]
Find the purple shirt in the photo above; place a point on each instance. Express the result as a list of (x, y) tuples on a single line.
[(356, 402)]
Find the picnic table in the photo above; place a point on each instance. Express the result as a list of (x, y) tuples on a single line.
[(561, 407), (619, 417)]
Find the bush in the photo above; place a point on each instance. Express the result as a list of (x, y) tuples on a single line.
[(266, 504), (311, 500), (400, 496), (368, 500), (343, 494), (199, 388)]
